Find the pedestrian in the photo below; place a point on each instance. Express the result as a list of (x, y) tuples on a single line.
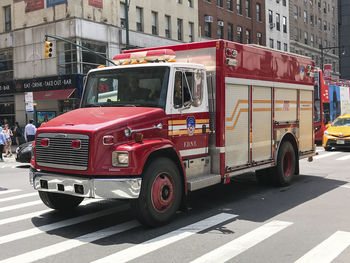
[(17, 133), (8, 140), (30, 131), (2, 144)]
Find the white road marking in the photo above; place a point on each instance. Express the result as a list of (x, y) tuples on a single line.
[(346, 157), (243, 243), (63, 246), (345, 186), (60, 224), (328, 250), (325, 155), (18, 197), (14, 207), (166, 239), (9, 191)]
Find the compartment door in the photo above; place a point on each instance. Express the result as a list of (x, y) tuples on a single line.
[(236, 125), (306, 130)]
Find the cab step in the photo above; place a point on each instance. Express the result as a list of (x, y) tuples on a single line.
[(202, 181)]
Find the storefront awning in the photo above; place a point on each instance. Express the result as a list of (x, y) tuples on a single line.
[(61, 94)]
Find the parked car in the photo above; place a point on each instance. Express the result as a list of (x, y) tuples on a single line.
[(337, 133), (23, 152)]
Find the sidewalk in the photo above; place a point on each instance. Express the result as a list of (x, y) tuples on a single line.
[(11, 159)]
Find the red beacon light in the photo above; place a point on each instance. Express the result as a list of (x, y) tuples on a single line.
[(45, 142), (163, 55), (76, 144)]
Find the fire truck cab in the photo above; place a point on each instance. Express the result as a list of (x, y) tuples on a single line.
[(152, 129)]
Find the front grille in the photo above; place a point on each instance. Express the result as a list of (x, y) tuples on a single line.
[(60, 154), (333, 142)]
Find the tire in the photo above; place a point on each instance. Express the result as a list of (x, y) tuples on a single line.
[(285, 169), (60, 202), (161, 193), (327, 148)]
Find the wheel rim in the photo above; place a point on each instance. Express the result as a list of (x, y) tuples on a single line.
[(162, 192), (287, 164)]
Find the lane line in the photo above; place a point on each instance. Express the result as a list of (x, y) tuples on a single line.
[(243, 243), (64, 223), (9, 191), (346, 157), (18, 197), (63, 246), (166, 239), (328, 250), (325, 155)]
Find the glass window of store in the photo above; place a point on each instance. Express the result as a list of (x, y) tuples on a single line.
[(6, 65), (7, 109)]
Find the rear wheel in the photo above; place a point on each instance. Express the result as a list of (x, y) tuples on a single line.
[(285, 169), (60, 202), (160, 195)]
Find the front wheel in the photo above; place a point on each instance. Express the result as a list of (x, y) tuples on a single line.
[(285, 169), (60, 202), (160, 195)]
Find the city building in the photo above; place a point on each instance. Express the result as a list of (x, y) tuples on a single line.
[(344, 38), (241, 21), (314, 31), (277, 24), (56, 82)]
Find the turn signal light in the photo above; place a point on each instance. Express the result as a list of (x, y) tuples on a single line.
[(138, 137), (108, 140), (76, 144), (45, 142)]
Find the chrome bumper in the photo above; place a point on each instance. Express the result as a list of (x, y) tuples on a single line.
[(121, 188)]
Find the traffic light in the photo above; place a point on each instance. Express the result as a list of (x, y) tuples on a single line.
[(48, 49)]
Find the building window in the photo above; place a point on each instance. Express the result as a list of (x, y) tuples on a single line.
[(207, 28), (247, 35), (284, 2), (258, 12), (305, 17), (122, 15), (311, 19), (312, 40), (230, 32), (259, 38), (285, 47), (154, 23), (278, 22), (296, 34), (219, 3), (139, 19), (6, 65), (220, 29), (284, 21), (247, 8), (295, 9), (239, 34), (190, 3), (239, 6), (167, 27), (179, 29), (190, 31), (229, 5), (325, 25), (68, 54), (271, 43), (179, 1), (278, 45), (7, 15), (270, 17), (306, 38)]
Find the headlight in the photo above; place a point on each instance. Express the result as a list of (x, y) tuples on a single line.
[(120, 158), (326, 132), (33, 152)]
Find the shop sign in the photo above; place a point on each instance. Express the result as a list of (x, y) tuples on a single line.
[(28, 100), (33, 5), (96, 3), (6, 88), (50, 3)]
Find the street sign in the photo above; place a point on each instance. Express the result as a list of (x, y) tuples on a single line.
[(28, 100)]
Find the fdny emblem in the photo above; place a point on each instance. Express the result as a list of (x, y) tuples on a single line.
[(191, 125)]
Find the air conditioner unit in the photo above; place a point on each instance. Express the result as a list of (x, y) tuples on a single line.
[(208, 19), (220, 23), (272, 25)]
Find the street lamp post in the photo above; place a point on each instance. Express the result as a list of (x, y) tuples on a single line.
[(127, 23), (327, 49)]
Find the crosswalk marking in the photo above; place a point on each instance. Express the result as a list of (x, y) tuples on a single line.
[(14, 207), (9, 191), (241, 244), (18, 197), (346, 157), (70, 244), (22, 217), (325, 155), (64, 223), (328, 250), (166, 239)]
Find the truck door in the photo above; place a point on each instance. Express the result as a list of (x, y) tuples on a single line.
[(189, 123)]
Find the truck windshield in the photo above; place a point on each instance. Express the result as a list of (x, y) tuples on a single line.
[(139, 87)]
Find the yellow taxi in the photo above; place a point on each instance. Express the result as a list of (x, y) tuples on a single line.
[(337, 133)]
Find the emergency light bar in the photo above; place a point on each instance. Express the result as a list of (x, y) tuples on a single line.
[(144, 57)]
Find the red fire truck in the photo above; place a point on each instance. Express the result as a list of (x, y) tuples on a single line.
[(332, 99), (175, 119)]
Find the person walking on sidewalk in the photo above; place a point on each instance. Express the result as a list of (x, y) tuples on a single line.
[(29, 131), (2, 144), (8, 140)]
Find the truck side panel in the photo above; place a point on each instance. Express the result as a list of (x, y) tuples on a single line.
[(306, 121), (285, 105)]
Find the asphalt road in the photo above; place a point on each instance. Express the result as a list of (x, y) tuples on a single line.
[(238, 222)]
